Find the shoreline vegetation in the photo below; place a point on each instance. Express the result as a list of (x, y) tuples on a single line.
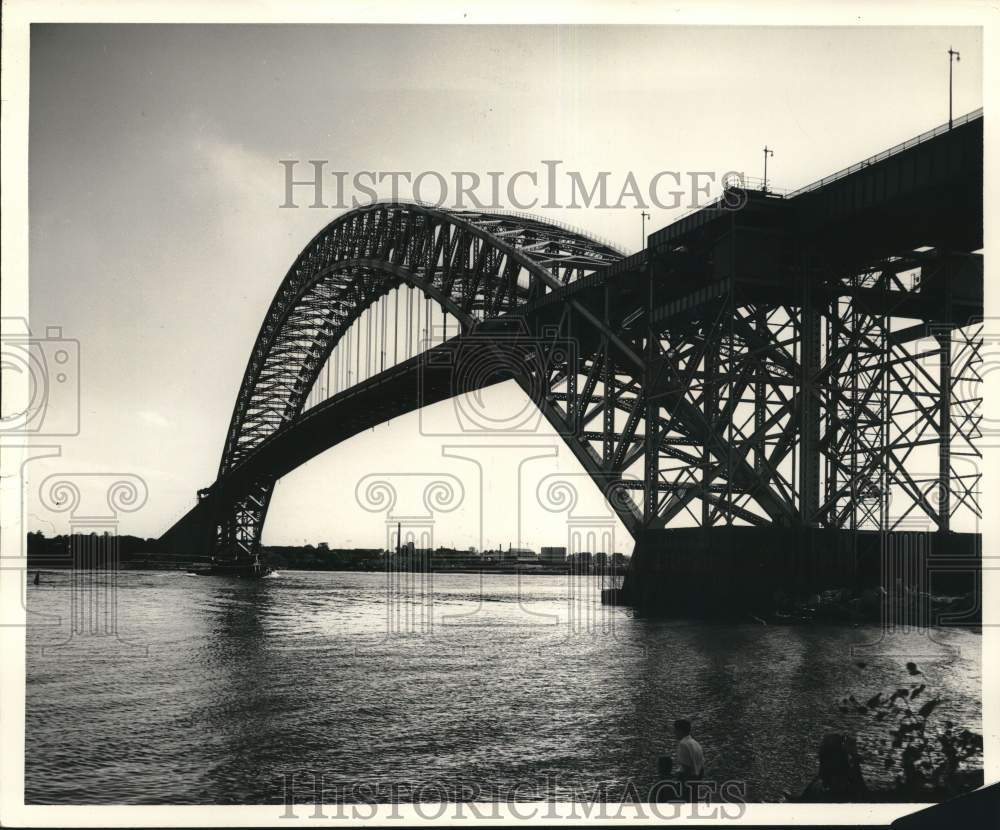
[(846, 605), (905, 754)]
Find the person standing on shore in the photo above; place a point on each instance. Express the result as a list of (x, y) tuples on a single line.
[(690, 757)]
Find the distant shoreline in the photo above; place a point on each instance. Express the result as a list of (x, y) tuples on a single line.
[(124, 553), (556, 571)]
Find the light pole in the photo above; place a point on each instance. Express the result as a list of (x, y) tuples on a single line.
[(767, 152), (952, 57), (644, 216)]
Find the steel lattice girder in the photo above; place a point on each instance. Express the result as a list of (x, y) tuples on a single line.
[(874, 401)]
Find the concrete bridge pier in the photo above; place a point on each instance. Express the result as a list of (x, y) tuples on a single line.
[(725, 571)]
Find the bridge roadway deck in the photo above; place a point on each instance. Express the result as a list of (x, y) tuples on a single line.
[(926, 194), (419, 381)]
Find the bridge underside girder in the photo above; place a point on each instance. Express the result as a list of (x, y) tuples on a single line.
[(824, 401)]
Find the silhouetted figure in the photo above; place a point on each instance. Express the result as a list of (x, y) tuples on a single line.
[(666, 789), (690, 757), (839, 777), (664, 766), (37, 575)]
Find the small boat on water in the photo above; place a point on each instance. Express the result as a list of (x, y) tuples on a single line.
[(238, 567), (239, 571)]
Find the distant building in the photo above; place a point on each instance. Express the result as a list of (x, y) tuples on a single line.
[(519, 555), (553, 556), (449, 558)]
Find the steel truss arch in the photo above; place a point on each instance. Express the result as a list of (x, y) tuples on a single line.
[(476, 265)]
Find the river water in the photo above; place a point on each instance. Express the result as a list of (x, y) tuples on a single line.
[(167, 688)]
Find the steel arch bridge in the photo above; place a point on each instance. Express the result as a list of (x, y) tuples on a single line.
[(478, 267), (761, 369)]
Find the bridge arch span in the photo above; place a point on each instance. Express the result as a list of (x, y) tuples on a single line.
[(477, 266)]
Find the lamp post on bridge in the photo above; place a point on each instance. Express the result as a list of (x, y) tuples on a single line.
[(644, 216), (952, 57), (767, 152)]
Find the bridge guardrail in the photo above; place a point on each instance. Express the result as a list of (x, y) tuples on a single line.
[(750, 183), (905, 145)]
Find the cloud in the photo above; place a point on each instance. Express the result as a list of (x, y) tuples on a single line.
[(154, 418), (242, 176)]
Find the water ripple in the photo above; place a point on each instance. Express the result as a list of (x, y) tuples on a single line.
[(457, 681)]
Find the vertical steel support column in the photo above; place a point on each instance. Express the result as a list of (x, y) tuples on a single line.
[(944, 434), (809, 338), (726, 356), (608, 447), (384, 301), (572, 376), (710, 406), (885, 432), (831, 418), (944, 411), (759, 396), (853, 414), (409, 322), (731, 362), (650, 504)]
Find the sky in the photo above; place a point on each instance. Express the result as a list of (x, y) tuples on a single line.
[(157, 239)]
